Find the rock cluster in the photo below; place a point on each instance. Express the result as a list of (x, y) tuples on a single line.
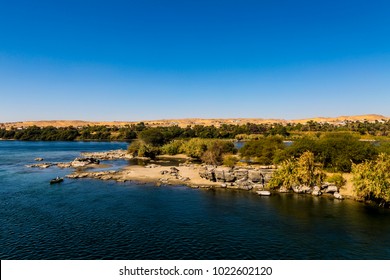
[(104, 175), (78, 162), (109, 155), (40, 165), (237, 177), (316, 190), (81, 162)]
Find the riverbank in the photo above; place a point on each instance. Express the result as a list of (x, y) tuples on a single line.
[(182, 170)]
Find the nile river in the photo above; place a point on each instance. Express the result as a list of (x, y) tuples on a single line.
[(90, 219)]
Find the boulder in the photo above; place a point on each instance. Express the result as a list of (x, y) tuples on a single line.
[(174, 170), (40, 165), (306, 189), (255, 176), (64, 165), (152, 165), (244, 184), (207, 174), (229, 176), (264, 193), (283, 190), (81, 162), (297, 189), (241, 174), (331, 189), (337, 195), (219, 175), (316, 191)]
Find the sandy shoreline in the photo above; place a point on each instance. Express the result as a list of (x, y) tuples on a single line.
[(153, 174)]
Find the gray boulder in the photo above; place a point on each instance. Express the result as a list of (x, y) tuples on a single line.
[(241, 174), (337, 195), (255, 176), (207, 173), (331, 189)]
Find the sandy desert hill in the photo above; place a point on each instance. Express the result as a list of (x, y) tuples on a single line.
[(192, 121)]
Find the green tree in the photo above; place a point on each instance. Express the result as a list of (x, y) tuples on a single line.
[(152, 136), (301, 171), (267, 150), (371, 179)]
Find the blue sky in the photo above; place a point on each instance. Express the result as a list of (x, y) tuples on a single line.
[(148, 59)]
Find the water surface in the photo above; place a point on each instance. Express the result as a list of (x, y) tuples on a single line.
[(91, 219)]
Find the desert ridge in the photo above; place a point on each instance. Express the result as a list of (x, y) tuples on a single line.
[(193, 121)]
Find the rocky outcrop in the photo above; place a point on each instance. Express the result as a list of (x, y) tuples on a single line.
[(82, 162), (301, 189), (331, 189), (40, 165), (207, 173), (316, 191), (109, 155), (238, 177), (104, 175)]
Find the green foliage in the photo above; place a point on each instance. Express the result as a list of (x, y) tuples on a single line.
[(230, 160), (152, 136), (384, 147), (339, 151), (213, 154), (139, 148), (371, 179), (285, 176), (173, 148), (195, 147), (336, 179), (336, 151), (266, 151), (301, 171)]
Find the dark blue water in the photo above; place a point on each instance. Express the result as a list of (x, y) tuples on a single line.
[(90, 219)]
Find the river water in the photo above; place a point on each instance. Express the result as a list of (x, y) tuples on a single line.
[(91, 219)]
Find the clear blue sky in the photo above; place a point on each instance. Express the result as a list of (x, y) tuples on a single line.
[(148, 59)]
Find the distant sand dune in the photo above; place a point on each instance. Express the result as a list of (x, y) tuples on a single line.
[(192, 121)]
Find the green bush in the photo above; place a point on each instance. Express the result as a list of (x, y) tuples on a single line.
[(336, 179), (230, 160), (173, 148), (371, 179), (301, 171), (139, 148), (266, 150), (152, 136)]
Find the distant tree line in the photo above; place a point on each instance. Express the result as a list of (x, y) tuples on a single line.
[(167, 134)]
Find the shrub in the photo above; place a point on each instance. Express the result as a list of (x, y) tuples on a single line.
[(152, 136), (230, 160), (371, 179), (173, 148), (301, 171), (141, 149), (336, 179), (265, 151)]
